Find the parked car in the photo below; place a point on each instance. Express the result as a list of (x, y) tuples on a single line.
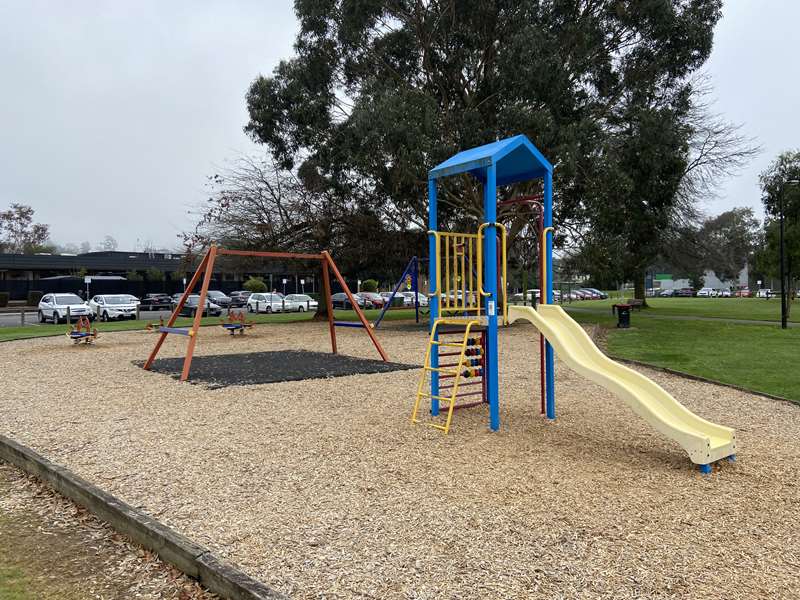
[(239, 298), (340, 300), (686, 292), (301, 302), (667, 293), (743, 293), (726, 293), (422, 299), (192, 305), (592, 295), (112, 306), (219, 298), (55, 307), (266, 303), (155, 302), (132, 299), (601, 294), (373, 297), (765, 293), (398, 297), (707, 292)]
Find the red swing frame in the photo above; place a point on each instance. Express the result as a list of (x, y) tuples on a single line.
[(205, 270)]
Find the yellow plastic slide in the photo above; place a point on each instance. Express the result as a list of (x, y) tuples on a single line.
[(705, 442)]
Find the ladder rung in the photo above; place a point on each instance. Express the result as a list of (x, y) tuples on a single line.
[(451, 344), (449, 387), (440, 370), (435, 397), (442, 427)]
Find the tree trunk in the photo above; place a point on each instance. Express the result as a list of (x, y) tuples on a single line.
[(638, 288), (322, 302)]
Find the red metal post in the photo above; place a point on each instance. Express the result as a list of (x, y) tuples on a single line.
[(354, 304), (326, 289), (173, 317), (198, 315)]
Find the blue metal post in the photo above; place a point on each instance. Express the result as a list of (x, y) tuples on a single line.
[(415, 286), (434, 293), (491, 301), (550, 375)]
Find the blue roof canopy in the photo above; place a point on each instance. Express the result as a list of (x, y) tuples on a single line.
[(515, 158)]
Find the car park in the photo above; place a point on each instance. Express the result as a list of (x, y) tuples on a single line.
[(398, 297), (707, 292), (725, 293), (59, 307), (372, 297), (602, 295), (743, 293), (218, 298), (686, 292), (266, 303), (156, 302), (192, 304), (300, 302), (112, 306), (239, 298), (422, 299), (591, 294), (340, 300), (669, 293)]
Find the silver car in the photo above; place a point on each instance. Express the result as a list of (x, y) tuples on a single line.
[(57, 307), (266, 303), (112, 306), (300, 303)]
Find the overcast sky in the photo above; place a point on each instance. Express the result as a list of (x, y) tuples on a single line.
[(113, 113)]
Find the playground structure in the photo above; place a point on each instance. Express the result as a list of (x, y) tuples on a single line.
[(410, 280), (468, 283), (82, 332), (204, 272), (236, 322)]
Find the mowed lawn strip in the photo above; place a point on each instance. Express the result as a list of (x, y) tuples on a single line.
[(756, 357), (8, 334), (755, 309)]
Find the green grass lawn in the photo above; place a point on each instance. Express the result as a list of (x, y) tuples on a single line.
[(46, 330), (759, 309), (751, 356)]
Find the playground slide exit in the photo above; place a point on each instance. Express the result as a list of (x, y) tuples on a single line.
[(705, 442)]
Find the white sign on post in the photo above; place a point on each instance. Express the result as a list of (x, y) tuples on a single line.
[(758, 282), (302, 282), (491, 308), (87, 280), (285, 280)]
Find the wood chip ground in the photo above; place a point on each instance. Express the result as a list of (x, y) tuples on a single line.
[(323, 489)]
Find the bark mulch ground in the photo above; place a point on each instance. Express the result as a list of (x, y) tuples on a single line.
[(254, 368), (322, 488)]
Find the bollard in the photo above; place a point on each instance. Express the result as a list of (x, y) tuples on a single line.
[(137, 312), (308, 305), (283, 305), (22, 317), (257, 311), (69, 315)]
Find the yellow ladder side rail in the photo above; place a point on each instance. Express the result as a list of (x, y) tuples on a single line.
[(457, 378), (426, 364)]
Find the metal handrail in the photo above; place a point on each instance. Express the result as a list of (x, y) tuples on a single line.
[(543, 292), (481, 291)]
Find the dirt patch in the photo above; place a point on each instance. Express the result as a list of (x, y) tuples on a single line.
[(51, 549)]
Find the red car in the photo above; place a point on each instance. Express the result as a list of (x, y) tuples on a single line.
[(373, 298), (743, 293)]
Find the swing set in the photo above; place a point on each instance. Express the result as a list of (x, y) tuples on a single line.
[(204, 272)]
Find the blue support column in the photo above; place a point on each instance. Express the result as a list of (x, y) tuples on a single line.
[(549, 361), (434, 293), (491, 301)]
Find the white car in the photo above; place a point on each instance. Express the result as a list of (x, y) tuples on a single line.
[(55, 307), (764, 293), (300, 303), (267, 303), (726, 293), (113, 306), (422, 299), (707, 292)]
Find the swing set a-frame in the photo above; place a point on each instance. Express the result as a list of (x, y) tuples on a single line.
[(205, 270)]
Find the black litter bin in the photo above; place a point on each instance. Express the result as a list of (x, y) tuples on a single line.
[(623, 315)]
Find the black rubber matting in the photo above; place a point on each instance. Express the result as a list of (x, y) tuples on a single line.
[(224, 370)]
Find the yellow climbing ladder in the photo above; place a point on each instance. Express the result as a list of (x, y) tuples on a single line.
[(455, 372)]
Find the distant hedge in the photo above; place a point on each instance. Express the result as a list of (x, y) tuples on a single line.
[(34, 296)]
